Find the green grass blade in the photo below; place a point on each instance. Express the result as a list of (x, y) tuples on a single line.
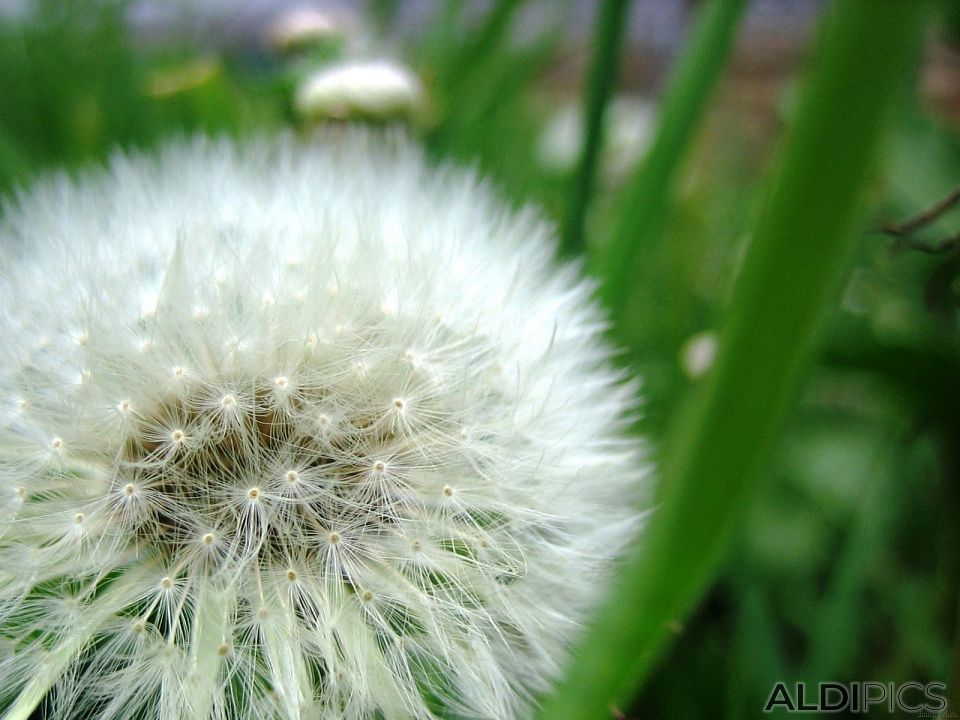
[(601, 80), (801, 244), (651, 189)]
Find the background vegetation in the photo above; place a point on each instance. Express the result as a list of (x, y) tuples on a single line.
[(809, 538)]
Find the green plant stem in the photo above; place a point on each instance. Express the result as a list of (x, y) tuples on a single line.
[(802, 243), (601, 80), (651, 189)]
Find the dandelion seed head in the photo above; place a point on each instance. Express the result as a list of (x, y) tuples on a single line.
[(347, 512)]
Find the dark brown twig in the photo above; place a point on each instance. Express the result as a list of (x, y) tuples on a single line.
[(925, 216)]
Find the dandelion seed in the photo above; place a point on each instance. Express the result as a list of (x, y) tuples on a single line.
[(298, 509), (698, 353)]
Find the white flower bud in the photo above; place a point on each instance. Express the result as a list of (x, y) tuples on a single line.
[(378, 90), (307, 508)]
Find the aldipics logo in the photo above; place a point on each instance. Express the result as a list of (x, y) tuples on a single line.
[(923, 700)]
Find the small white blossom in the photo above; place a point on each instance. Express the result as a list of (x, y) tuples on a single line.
[(375, 89), (393, 491), (303, 26), (628, 126)]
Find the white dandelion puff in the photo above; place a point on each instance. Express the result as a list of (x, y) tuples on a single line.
[(307, 508)]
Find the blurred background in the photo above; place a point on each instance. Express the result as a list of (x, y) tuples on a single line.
[(846, 566)]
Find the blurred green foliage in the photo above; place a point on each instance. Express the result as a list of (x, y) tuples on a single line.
[(845, 565), (74, 87), (798, 254)]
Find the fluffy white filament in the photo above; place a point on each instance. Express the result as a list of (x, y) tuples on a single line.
[(298, 432)]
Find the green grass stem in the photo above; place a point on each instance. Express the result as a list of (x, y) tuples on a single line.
[(651, 189), (601, 80)]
